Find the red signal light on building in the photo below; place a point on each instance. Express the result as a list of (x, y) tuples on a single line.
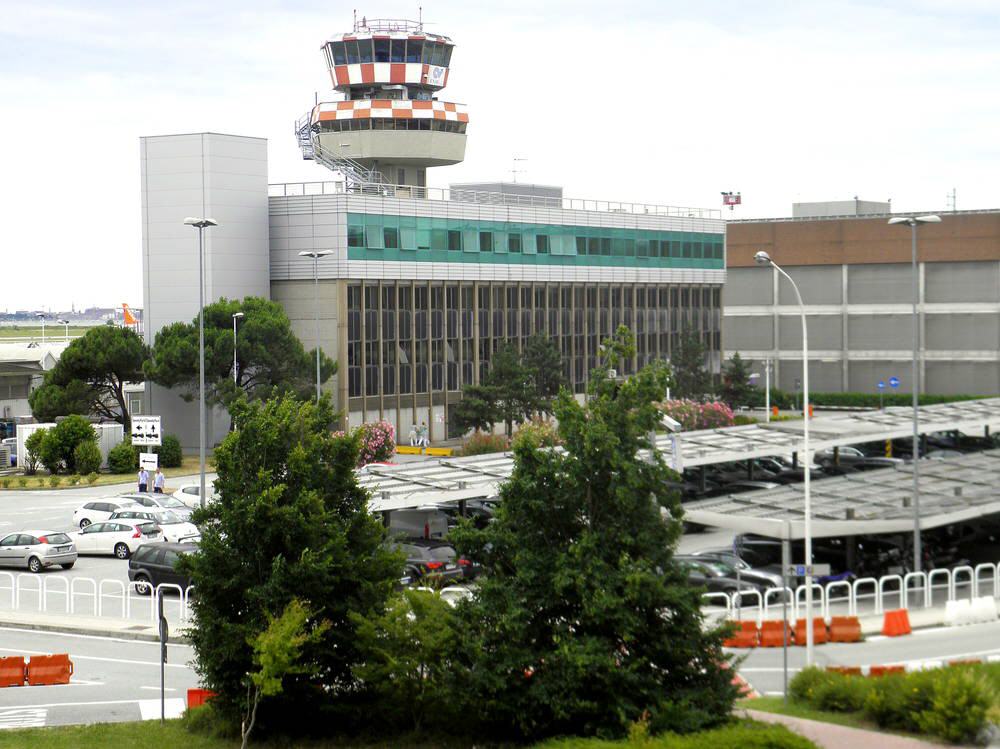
[(731, 199)]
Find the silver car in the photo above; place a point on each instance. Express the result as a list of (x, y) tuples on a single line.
[(154, 502), (37, 550)]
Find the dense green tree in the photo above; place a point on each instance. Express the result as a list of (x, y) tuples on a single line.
[(58, 448), (513, 386), (90, 376), (691, 378), (736, 389), (290, 521), (544, 362), (270, 358), (583, 621), (477, 410)]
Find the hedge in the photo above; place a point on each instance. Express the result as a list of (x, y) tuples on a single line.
[(785, 400), (745, 734)]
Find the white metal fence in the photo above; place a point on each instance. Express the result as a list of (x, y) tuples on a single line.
[(866, 595), (87, 597)]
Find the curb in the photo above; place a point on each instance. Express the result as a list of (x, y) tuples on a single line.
[(121, 634)]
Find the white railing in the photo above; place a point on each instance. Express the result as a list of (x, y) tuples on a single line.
[(886, 592), (85, 596)]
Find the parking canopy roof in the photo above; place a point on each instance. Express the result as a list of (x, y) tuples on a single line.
[(877, 501), (452, 479)]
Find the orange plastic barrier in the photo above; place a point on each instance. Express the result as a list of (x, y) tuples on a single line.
[(896, 623), (746, 635), (845, 629), (883, 670), (846, 670), (819, 631), (198, 697), (49, 669), (965, 662), (771, 634), (12, 671)]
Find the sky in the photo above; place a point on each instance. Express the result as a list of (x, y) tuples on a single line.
[(663, 102)]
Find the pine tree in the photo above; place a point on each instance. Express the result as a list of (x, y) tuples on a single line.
[(511, 382), (691, 379), (736, 388), (544, 362), (583, 620)]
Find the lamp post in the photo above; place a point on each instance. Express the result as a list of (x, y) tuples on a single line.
[(762, 258), (201, 224), (236, 316), (913, 222), (316, 255), (65, 324), (41, 316)]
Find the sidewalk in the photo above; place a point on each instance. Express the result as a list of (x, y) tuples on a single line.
[(123, 629), (830, 736)]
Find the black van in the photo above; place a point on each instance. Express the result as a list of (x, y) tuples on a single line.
[(154, 564)]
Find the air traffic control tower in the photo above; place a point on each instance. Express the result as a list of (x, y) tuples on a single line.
[(390, 126)]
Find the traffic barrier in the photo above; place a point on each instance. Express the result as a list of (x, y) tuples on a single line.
[(846, 670), (896, 623), (883, 670), (819, 631), (845, 629), (12, 671), (745, 635), (49, 669), (439, 452), (984, 609), (774, 633), (408, 450), (965, 662), (198, 697)]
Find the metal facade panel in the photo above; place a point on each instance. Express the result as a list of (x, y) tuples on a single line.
[(962, 282), (879, 284)]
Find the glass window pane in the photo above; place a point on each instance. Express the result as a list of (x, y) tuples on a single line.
[(398, 53), (365, 50), (353, 58), (542, 244), (447, 56), (381, 50), (485, 241), (414, 50), (455, 241), (514, 242), (439, 239), (373, 237), (339, 53), (355, 235)]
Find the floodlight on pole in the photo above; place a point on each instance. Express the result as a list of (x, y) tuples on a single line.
[(201, 224), (316, 255), (41, 316), (65, 324), (236, 316), (762, 258), (913, 222)]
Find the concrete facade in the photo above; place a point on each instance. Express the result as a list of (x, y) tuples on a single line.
[(856, 282), (223, 177)]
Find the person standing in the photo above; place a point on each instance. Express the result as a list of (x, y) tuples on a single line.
[(423, 435), (158, 481), (143, 479)]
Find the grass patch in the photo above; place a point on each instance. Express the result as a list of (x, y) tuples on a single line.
[(53, 331), (799, 710), (189, 466)]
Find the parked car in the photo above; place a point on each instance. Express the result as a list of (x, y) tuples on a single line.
[(716, 576), (156, 564), (190, 494), (430, 558), (37, 550), (152, 501), (101, 509), (748, 573), (120, 537), (175, 529)]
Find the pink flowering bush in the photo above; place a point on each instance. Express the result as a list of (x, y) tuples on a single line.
[(693, 415), (377, 442)]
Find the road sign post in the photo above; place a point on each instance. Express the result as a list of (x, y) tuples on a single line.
[(164, 635), (881, 389)]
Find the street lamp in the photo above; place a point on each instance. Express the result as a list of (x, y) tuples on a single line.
[(236, 316), (64, 323), (913, 222), (201, 224), (767, 388), (316, 255), (41, 316), (762, 258)]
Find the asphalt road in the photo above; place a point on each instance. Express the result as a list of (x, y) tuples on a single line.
[(113, 680), (762, 667)]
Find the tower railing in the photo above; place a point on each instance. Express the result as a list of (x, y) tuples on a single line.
[(355, 186), (387, 24)]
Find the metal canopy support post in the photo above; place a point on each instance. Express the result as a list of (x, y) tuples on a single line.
[(786, 561), (915, 387)]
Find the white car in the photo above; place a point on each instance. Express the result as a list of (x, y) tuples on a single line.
[(190, 494), (118, 537), (175, 528), (153, 501), (100, 509)]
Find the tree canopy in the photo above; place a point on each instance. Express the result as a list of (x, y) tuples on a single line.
[(736, 389), (270, 359), (290, 522), (583, 621), (90, 376), (691, 378)]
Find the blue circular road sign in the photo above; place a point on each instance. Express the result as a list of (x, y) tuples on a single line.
[(894, 382), (881, 384)]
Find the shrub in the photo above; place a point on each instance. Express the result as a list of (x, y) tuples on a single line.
[(802, 687), (740, 420), (170, 452), (123, 458), (55, 480), (742, 735), (5, 482), (842, 693), (40, 482), (543, 433), (73, 480), (60, 442), (693, 415), (886, 702), (91, 478), (33, 448), (86, 458), (960, 702), (22, 481), (481, 443), (377, 442)]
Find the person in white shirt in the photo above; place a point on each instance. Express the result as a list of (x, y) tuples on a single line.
[(158, 481), (143, 479)]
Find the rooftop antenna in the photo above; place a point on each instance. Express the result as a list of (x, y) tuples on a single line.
[(514, 171), (731, 199), (953, 199), (420, 16)]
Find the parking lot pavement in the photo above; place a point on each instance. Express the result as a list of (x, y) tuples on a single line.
[(762, 667), (113, 680)]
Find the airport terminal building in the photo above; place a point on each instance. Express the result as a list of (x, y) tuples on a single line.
[(417, 286)]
